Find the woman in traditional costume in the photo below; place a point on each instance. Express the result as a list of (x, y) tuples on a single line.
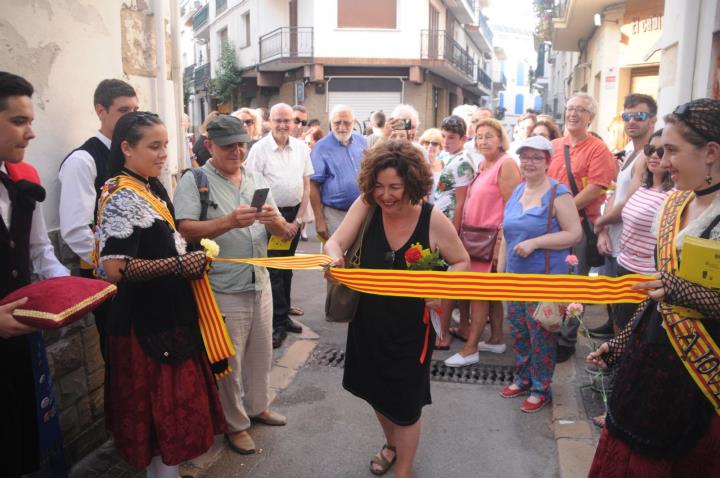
[(161, 400), (663, 419)]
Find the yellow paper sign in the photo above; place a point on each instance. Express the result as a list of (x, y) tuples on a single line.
[(279, 244)]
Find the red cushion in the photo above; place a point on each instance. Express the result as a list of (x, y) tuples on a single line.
[(56, 302), (19, 171)]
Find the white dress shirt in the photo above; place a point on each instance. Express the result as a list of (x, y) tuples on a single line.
[(77, 200), (283, 169), (42, 255)]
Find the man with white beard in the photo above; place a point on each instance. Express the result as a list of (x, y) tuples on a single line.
[(336, 160)]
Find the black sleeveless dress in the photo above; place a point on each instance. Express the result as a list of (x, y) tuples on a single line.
[(386, 338)]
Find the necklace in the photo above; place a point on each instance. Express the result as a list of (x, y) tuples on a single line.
[(710, 190)]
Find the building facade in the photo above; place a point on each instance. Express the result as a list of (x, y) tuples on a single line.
[(372, 55)]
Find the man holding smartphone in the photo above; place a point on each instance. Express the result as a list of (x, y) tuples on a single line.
[(242, 292), (284, 162)]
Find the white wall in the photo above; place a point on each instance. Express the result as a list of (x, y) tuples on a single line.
[(403, 42), (65, 49)]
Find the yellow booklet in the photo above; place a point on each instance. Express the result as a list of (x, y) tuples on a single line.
[(700, 265), (279, 244), (701, 262)]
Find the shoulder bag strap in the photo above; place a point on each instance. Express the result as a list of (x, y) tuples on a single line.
[(706, 233), (352, 256), (551, 207), (573, 185)]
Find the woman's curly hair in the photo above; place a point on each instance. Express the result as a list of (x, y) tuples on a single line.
[(406, 159)]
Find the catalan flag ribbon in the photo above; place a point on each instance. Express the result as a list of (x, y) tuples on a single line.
[(469, 285)]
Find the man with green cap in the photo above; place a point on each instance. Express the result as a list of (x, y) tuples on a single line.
[(242, 292)]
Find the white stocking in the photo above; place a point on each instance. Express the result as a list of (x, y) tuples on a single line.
[(158, 469)]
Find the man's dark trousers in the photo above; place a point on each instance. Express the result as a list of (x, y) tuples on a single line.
[(281, 280)]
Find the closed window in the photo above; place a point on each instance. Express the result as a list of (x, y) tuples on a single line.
[(519, 106), (245, 30), (367, 14)]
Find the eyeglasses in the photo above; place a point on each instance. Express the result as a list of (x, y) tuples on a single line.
[(636, 115), (649, 149), (431, 143), (532, 159), (576, 109), (389, 258), (248, 122), (300, 121)]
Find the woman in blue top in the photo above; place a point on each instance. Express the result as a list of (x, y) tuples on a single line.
[(526, 243)]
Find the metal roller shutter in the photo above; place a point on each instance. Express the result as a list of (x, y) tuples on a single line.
[(365, 102)]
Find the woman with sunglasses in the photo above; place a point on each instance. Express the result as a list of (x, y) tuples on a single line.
[(251, 120), (431, 141), (662, 417), (161, 402)]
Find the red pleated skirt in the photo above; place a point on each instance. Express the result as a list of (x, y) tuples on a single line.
[(154, 409), (614, 459)]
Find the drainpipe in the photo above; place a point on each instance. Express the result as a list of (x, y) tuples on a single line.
[(177, 78), (158, 9), (687, 49)]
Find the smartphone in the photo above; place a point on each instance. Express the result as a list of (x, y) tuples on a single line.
[(402, 123), (259, 197)]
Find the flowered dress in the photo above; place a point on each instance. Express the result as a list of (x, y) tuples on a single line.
[(458, 172)]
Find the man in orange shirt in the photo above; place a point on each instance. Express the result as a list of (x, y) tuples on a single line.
[(593, 168)]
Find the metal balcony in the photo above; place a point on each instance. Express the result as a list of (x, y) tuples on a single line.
[(439, 46), (202, 76), (189, 73), (287, 44), (201, 17), (483, 78)]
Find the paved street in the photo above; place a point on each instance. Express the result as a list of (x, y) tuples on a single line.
[(469, 430)]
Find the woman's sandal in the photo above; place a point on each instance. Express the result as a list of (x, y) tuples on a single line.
[(382, 462)]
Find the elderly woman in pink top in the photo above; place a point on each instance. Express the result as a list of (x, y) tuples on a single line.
[(496, 179)]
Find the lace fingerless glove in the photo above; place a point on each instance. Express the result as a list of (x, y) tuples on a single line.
[(189, 266), (693, 296)]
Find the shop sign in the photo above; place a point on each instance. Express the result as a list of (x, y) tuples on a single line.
[(645, 25)]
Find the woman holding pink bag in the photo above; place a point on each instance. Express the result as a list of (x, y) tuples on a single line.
[(496, 179)]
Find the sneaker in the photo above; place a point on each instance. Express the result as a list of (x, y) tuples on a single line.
[(564, 353), (458, 360), (494, 348), (605, 331)]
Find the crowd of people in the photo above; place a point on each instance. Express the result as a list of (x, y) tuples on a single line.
[(462, 190)]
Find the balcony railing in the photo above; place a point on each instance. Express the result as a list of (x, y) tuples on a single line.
[(485, 29), (560, 8), (483, 78), (202, 76), (286, 42), (201, 17), (438, 45), (189, 73)]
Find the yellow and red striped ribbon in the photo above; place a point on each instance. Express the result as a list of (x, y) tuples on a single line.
[(212, 327), (469, 285)]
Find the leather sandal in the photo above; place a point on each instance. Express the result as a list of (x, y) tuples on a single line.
[(382, 462)]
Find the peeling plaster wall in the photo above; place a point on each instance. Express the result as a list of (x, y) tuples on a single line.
[(65, 48)]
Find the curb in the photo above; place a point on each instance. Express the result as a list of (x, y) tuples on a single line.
[(282, 374), (573, 431)]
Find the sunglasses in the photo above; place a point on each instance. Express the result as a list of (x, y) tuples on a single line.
[(649, 150), (299, 121), (249, 122), (431, 143), (636, 115)]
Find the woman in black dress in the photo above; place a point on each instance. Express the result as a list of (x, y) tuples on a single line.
[(161, 400), (387, 336)]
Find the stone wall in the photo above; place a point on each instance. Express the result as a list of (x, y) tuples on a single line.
[(78, 374)]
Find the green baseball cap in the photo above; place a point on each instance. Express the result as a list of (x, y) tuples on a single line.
[(226, 129)]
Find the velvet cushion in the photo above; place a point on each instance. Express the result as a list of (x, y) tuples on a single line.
[(56, 302)]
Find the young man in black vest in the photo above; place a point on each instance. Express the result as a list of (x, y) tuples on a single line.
[(24, 245), (84, 171)]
